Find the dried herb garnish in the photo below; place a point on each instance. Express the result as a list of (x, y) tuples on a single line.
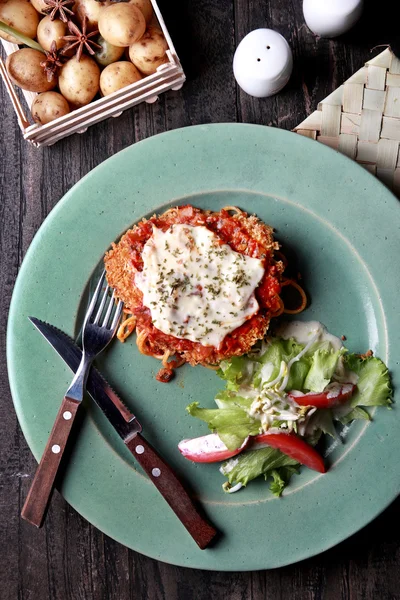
[(60, 7), (52, 63), (80, 39)]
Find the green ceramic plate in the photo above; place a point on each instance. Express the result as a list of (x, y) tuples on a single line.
[(343, 225)]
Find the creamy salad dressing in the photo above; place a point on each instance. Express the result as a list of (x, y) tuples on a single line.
[(229, 466), (195, 287), (209, 443), (271, 404), (303, 331), (343, 375), (266, 371), (279, 406)]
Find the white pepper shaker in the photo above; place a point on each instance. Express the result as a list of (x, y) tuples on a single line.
[(263, 63), (330, 18)]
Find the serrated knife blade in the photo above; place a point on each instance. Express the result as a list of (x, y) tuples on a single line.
[(129, 429)]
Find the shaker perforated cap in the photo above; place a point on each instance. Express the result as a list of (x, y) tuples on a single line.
[(263, 63)]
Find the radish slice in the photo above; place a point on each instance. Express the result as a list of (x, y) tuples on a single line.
[(207, 449), (333, 395)]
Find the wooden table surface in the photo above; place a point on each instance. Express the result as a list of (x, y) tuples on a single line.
[(68, 558)]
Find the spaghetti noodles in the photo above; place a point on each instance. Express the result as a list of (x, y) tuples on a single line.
[(126, 328), (303, 298), (230, 226)]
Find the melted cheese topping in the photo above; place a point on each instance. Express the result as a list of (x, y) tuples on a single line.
[(196, 287)]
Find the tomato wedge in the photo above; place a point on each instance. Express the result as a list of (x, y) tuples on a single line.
[(333, 395), (293, 446), (207, 449)]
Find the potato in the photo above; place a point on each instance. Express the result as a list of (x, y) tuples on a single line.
[(149, 53), (49, 31), (118, 75), (90, 9), (79, 80), (40, 6), (145, 7), (24, 69), (121, 24), (49, 106), (21, 15), (108, 53)]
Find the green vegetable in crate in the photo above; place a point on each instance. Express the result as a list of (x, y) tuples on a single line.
[(20, 37), (49, 31), (122, 24), (79, 80), (118, 75), (21, 15), (150, 51), (107, 53), (25, 70), (49, 106)]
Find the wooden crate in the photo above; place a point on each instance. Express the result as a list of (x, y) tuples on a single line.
[(169, 76)]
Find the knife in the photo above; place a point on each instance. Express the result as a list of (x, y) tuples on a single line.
[(129, 429)]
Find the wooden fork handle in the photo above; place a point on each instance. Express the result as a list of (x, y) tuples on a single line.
[(171, 488), (40, 491)]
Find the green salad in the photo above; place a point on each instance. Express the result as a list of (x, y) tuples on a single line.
[(279, 400)]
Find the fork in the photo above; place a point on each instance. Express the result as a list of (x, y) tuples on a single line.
[(98, 329)]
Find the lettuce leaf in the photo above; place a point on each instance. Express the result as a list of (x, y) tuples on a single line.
[(323, 365), (314, 437), (312, 372), (278, 350), (228, 399), (355, 413), (321, 421), (245, 378), (298, 374), (233, 425), (251, 464), (373, 385), (281, 478), (236, 371)]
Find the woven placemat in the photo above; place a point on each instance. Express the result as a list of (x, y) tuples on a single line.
[(362, 119)]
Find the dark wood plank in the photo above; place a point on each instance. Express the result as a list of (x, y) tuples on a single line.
[(68, 558), (11, 474)]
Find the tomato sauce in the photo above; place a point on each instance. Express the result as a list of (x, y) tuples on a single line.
[(229, 230)]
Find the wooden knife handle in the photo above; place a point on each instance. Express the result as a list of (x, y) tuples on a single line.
[(42, 485), (170, 487)]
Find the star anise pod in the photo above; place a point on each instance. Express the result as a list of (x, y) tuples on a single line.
[(60, 7), (52, 63), (80, 39)]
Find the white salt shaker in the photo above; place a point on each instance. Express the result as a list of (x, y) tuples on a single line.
[(330, 18), (263, 63)]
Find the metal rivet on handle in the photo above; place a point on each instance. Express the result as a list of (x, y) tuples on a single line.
[(55, 449), (156, 472), (67, 415), (139, 449)]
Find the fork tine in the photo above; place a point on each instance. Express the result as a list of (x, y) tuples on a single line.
[(95, 296), (102, 304), (111, 305), (117, 315)]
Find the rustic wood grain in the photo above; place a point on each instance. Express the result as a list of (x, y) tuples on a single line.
[(68, 558)]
